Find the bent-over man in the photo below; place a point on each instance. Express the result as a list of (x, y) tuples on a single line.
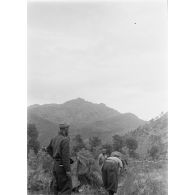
[(59, 151), (110, 172)]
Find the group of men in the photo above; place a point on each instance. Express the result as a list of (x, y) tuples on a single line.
[(59, 150)]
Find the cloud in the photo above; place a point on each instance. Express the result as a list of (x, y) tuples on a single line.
[(96, 51)]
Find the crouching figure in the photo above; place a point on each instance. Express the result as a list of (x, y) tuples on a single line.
[(110, 173)]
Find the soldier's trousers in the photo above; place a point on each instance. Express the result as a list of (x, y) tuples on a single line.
[(110, 176), (62, 183)]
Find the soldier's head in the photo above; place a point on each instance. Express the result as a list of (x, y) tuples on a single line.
[(64, 129)]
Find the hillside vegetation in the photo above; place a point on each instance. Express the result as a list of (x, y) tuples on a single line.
[(150, 135), (144, 148), (46, 128)]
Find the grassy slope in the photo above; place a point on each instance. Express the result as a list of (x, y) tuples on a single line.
[(142, 178), (145, 178)]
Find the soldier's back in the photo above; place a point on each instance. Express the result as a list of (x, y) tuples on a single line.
[(56, 145)]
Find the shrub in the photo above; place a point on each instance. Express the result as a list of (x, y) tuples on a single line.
[(154, 152), (117, 142), (108, 148), (131, 144), (78, 144), (96, 151), (133, 154), (88, 170), (32, 136), (39, 171), (94, 142)]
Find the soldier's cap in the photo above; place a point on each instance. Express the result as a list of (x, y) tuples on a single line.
[(63, 125)]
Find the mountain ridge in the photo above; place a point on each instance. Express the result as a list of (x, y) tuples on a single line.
[(70, 111), (85, 118)]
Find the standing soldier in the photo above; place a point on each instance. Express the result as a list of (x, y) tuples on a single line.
[(59, 151)]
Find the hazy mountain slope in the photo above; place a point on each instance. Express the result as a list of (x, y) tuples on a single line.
[(119, 124), (77, 111), (85, 118), (155, 132), (46, 128)]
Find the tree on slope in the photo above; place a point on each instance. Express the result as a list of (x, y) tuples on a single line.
[(78, 143), (117, 142), (94, 142), (132, 146), (32, 138)]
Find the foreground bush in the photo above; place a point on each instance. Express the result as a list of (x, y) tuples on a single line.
[(88, 170), (154, 152), (145, 179), (39, 171)]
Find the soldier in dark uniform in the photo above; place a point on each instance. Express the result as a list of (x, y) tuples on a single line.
[(59, 151)]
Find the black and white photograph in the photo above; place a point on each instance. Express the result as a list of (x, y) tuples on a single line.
[(97, 97)]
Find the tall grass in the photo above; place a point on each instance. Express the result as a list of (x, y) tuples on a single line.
[(140, 177), (145, 178), (39, 171)]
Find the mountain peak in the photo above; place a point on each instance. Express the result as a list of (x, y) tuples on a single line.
[(34, 106), (79, 100), (75, 111)]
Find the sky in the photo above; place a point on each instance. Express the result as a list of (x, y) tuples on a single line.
[(107, 52)]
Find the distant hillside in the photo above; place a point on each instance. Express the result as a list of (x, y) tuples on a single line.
[(46, 128), (155, 132), (119, 124), (77, 111), (85, 118)]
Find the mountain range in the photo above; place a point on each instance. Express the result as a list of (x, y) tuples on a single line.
[(85, 118)]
